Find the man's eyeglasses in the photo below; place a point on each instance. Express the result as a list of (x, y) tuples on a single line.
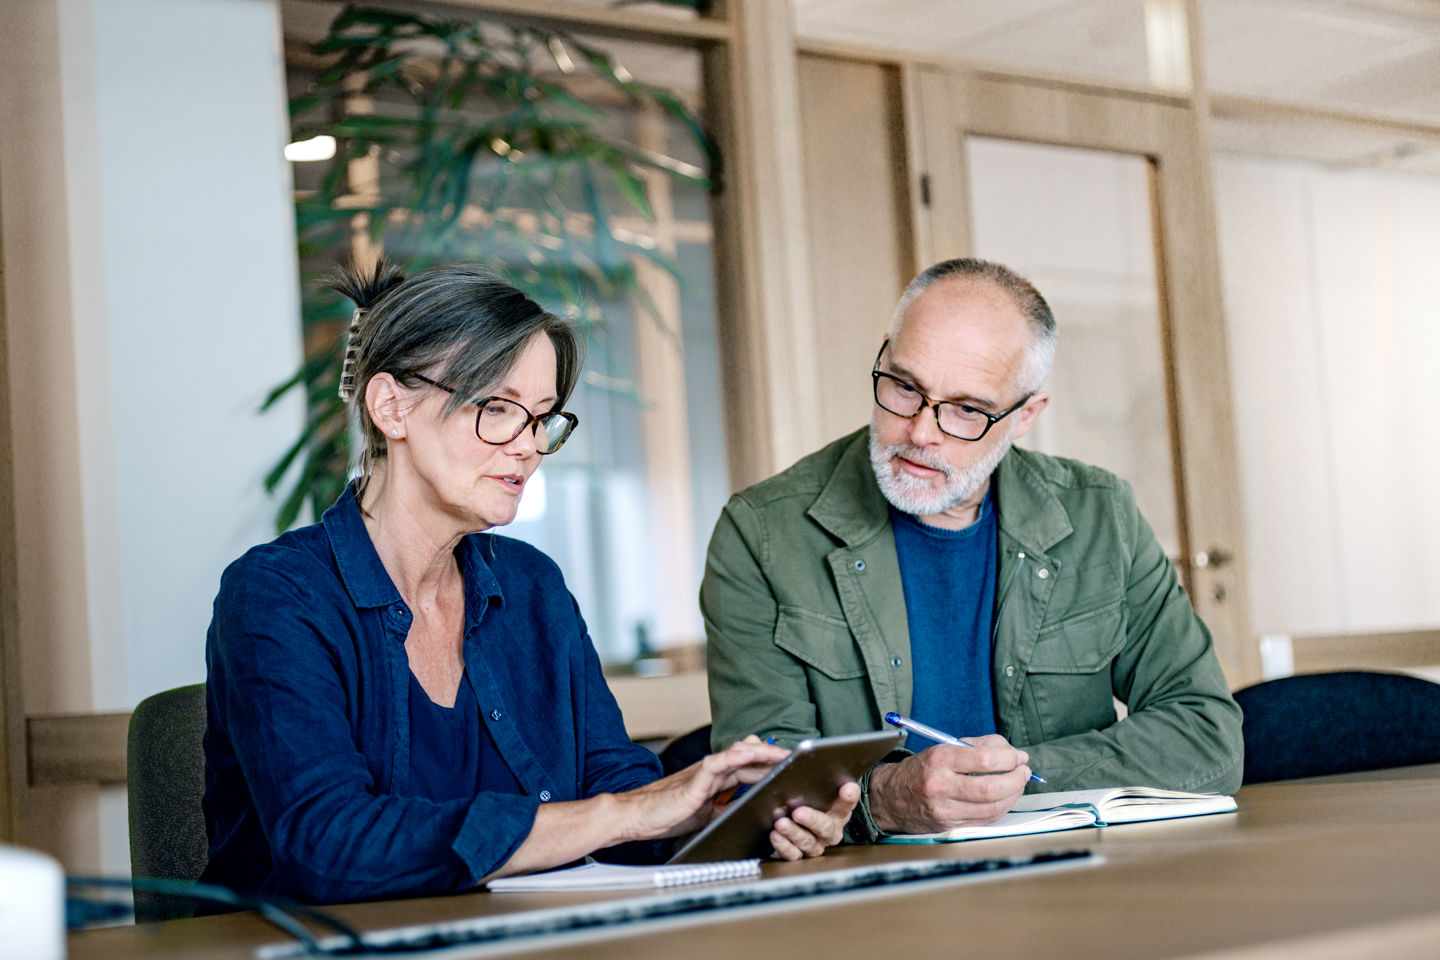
[(498, 421), (958, 420)]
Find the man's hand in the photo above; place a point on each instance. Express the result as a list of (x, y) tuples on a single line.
[(935, 789)]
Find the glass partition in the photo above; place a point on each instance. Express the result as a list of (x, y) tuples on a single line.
[(1077, 223), (579, 167)]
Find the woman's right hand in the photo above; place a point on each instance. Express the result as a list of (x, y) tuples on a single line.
[(685, 801)]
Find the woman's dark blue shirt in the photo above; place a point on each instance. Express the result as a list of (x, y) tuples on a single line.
[(309, 786)]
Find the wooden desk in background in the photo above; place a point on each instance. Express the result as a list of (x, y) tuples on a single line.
[(1324, 868)]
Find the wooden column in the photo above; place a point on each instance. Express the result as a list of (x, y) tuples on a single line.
[(763, 291), (12, 707)]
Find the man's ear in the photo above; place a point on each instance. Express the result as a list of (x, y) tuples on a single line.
[(383, 402), (1028, 414)]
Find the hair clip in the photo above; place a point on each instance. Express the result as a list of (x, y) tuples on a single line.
[(352, 351)]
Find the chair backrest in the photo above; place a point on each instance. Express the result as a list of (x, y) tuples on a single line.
[(685, 750), (1327, 723), (165, 766)]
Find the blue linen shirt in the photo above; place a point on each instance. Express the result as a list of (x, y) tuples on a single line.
[(308, 782)]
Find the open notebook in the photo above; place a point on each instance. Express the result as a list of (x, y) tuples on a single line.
[(615, 876), (1067, 810)]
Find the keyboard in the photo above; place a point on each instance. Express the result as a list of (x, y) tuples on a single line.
[(644, 913)]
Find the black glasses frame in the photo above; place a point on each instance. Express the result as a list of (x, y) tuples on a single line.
[(876, 373), (532, 421)]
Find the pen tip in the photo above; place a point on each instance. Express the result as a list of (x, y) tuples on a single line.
[(893, 719)]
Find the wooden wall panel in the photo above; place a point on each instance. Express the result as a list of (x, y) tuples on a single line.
[(12, 707), (857, 219)]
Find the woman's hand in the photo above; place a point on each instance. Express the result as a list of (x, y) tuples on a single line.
[(683, 802), (806, 832), (686, 801)]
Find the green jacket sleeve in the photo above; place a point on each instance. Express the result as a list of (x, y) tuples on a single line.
[(1182, 730), (755, 687)]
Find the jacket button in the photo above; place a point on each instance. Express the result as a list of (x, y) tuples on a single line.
[(1009, 670), (894, 661), (495, 714), (1042, 573), (544, 796), (859, 566), (1020, 555)]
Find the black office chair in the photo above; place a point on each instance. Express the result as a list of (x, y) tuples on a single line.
[(1325, 723), (685, 750), (165, 769)]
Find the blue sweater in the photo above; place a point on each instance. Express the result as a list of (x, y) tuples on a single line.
[(948, 577), (308, 770)]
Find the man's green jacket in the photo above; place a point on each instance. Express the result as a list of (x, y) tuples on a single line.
[(807, 630)]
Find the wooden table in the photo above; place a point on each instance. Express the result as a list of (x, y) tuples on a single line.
[(1321, 868)]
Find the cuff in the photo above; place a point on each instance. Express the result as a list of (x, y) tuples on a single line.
[(862, 828), (494, 828)]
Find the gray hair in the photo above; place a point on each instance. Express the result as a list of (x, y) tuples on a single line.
[(1041, 355), (460, 325)]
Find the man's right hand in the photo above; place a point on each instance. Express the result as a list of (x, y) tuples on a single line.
[(934, 790)]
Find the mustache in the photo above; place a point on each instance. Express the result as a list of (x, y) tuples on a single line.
[(923, 457)]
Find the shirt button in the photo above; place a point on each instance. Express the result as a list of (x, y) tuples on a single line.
[(1042, 573), (495, 714), (544, 796), (859, 566), (894, 661), (1009, 670)]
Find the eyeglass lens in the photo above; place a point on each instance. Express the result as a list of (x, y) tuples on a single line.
[(904, 400), (499, 421)]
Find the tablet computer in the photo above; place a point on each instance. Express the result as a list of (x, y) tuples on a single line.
[(811, 776)]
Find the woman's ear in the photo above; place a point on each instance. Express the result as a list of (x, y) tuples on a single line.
[(383, 401)]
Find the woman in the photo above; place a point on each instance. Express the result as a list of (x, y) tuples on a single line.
[(401, 704)]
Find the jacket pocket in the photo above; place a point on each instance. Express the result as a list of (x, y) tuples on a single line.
[(823, 643), (1067, 684)]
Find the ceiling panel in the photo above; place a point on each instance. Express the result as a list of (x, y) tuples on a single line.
[(1325, 52), (1087, 38), (1381, 55), (934, 26)]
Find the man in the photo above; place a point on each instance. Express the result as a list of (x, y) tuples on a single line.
[(927, 567)]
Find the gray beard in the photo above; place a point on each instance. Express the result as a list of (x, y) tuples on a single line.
[(916, 497)]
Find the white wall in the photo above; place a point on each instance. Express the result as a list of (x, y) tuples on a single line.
[(152, 300), (201, 303), (1333, 309)]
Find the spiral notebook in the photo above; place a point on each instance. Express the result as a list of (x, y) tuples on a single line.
[(615, 876)]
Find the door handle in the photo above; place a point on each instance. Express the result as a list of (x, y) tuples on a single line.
[(1214, 557)]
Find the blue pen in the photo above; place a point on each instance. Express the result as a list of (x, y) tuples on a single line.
[(915, 726)]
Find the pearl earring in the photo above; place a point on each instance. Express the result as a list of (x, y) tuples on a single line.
[(394, 433)]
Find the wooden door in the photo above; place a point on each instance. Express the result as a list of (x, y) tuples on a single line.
[(952, 117)]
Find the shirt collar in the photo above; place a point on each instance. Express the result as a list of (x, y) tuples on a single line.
[(851, 505), (368, 582)]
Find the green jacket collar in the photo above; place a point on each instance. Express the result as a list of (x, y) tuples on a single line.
[(851, 507)]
